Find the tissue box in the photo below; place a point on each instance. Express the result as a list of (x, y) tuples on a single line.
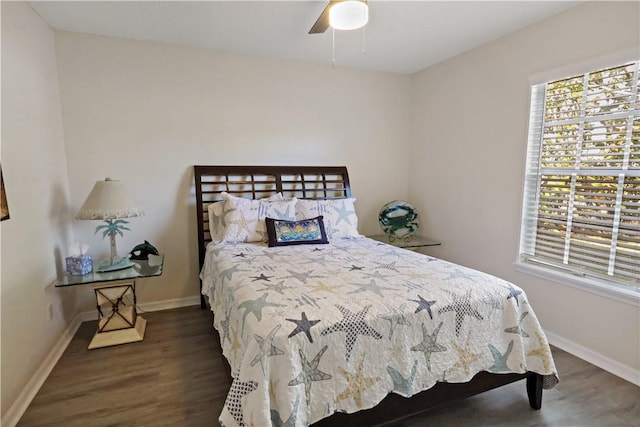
[(78, 265)]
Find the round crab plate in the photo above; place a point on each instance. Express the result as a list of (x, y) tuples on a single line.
[(399, 219)]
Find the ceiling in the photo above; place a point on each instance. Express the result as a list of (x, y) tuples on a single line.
[(402, 36)]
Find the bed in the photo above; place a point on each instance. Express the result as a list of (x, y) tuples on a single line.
[(353, 331)]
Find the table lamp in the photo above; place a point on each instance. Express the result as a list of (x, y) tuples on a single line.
[(110, 201)]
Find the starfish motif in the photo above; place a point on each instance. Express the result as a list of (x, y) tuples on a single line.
[(518, 329), (270, 254), (542, 352), (321, 286), (402, 385), (228, 273), (310, 373), (318, 260), (500, 359), (215, 249), (493, 301), (283, 215), (372, 286), (242, 224), (356, 383), (390, 251), (396, 317), (428, 345), (513, 293), (465, 356), (343, 214), (398, 351), (277, 421), (317, 250), (423, 304), (303, 325), (276, 287), (225, 327), (461, 304), (238, 390), (411, 286), (303, 277), (388, 266), (261, 231), (266, 348), (457, 274), (235, 344), (305, 299), (414, 275), (375, 275), (355, 268), (240, 255), (255, 306), (261, 277), (352, 325)]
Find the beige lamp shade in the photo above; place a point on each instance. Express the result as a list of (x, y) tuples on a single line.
[(109, 199)]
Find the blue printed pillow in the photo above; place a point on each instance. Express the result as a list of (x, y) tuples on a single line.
[(302, 232)]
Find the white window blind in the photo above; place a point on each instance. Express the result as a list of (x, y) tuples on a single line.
[(581, 209)]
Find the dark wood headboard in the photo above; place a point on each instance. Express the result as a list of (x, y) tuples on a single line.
[(256, 182)]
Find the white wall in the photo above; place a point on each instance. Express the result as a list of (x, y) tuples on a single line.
[(467, 162), (35, 239), (146, 112)]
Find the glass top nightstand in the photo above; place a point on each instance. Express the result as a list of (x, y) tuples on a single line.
[(140, 268), (115, 291), (416, 241)]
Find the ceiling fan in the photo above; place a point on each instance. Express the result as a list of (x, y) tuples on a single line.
[(348, 15)]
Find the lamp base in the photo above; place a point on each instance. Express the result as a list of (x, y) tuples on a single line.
[(119, 264)]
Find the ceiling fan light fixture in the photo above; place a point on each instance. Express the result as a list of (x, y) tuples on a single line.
[(349, 15)]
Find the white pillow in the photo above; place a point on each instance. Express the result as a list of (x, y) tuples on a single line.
[(340, 219), (216, 220), (216, 216), (244, 218)]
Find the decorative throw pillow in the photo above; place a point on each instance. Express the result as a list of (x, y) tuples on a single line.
[(302, 232), (216, 216), (340, 219), (244, 218)]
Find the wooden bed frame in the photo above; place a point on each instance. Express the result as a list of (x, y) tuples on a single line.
[(332, 182)]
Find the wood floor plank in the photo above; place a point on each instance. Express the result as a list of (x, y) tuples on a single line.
[(176, 377)]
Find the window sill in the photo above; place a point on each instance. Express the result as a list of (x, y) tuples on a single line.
[(587, 284)]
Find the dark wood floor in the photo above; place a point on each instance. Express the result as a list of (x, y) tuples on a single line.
[(175, 377)]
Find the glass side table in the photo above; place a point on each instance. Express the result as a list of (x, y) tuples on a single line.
[(115, 291), (414, 242)]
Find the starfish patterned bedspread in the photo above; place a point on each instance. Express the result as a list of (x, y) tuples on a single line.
[(311, 330)]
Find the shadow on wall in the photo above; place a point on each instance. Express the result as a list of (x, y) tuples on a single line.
[(62, 302), (187, 198), (60, 216)]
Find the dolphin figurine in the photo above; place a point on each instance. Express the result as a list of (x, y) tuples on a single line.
[(142, 251)]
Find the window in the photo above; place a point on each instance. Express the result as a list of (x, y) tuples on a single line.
[(581, 210)]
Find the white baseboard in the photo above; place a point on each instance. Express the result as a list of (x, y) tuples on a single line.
[(616, 368), (169, 304), (150, 306), (17, 409)]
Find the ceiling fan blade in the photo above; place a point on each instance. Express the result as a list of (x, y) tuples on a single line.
[(322, 23)]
